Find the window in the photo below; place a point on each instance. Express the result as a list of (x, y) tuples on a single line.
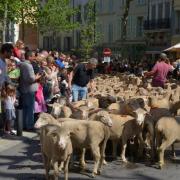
[(99, 6), (153, 12), (122, 2), (111, 5), (58, 43), (119, 24), (177, 22), (47, 42), (99, 28), (160, 10), (110, 33), (139, 32), (141, 2), (167, 10)]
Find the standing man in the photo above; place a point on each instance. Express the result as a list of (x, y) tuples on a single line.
[(81, 76), (5, 53), (27, 87), (160, 71)]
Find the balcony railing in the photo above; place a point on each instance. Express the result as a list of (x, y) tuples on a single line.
[(157, 24)]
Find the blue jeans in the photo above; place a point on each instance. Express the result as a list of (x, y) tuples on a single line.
[(28, 100), (78, 92)]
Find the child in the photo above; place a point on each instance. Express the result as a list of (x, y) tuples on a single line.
[(9, 99)]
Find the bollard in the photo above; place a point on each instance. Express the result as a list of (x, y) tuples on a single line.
[(19, 122)]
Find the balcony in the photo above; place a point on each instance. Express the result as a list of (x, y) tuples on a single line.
[(159, 24)]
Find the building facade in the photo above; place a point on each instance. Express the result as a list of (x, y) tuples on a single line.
[(176, 23), (158, 25), (109, 15)]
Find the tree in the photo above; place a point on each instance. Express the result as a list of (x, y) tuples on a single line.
[(56, 16), (124, 25), (18, 11), (125, 20), (89, 36), (27, 13)]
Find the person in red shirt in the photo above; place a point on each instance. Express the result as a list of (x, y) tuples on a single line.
[(160, 71), (19, 47)]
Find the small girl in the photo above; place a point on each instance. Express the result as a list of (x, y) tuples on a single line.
[(9, 99)]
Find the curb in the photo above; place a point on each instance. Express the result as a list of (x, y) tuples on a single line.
[(7, 142)]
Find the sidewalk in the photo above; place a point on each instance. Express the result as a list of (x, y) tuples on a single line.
[(7, 142)]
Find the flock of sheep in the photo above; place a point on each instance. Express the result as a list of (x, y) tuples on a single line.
[(123, 108)]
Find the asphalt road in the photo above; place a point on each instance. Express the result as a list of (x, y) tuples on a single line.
[(23, 162)]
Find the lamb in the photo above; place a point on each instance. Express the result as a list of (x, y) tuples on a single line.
[(167, 132), (60, 151)]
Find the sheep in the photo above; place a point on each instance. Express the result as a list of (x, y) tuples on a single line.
[(118, 122), (56, 109), (59, 111), (46, 118), (56, 147), (175, 107), (160, 103), (90, 102), (132, 129), (101, 116), (85, 134), (167, 132)]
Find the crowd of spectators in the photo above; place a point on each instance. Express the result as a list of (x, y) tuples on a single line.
[(30, 79)]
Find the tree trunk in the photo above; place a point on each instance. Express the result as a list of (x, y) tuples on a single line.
[(22, 25), (5, 23), (124, 20), (124, 26)]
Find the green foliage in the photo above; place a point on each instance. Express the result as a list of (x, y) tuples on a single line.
[(55, 16), (89, 36), (20, 10)]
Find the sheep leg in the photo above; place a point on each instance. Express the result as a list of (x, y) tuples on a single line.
[(114, 143), (56, 170), (102, 159), (61, 166), (141, 146), (173, 151), (66, 164), (152, 149), (46, 165), (161, 150), (82, 159), (124, 145), (96, 154)]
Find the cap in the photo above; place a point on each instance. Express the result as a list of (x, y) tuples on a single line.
[(163, 56), (59, 64)]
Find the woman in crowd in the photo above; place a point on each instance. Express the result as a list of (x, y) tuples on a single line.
[(19, 50), (51, 71)]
